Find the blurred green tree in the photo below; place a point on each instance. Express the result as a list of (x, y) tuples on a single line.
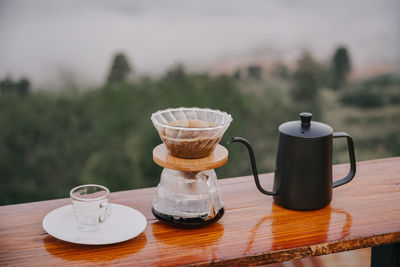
[(23, 86), (254, 72), (306, 79), (120, 69), (6, 85), (236, 75), (305, 92), (176, 73), (20, 87), (281, 70), (341, 67)]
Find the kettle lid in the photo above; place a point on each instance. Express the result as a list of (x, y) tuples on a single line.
[(305, 128)]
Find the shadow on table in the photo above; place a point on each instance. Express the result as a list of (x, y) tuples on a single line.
[(95, 254)]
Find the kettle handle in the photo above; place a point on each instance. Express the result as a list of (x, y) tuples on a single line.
[(253, 164), (352, 171)]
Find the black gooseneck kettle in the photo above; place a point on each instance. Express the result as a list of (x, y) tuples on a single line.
[(303, 174)]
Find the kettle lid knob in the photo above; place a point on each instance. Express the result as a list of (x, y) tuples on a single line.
[(304, 128), (305, 118)]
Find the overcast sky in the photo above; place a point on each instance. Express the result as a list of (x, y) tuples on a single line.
[(43, 39)]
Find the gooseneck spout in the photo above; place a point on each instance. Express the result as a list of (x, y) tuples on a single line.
[(253, 163)]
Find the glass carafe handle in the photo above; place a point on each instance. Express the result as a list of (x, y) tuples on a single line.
[(211, 213)]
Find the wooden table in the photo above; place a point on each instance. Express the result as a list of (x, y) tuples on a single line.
[(363, 213)]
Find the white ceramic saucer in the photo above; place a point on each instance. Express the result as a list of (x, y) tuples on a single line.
[(123, 224)]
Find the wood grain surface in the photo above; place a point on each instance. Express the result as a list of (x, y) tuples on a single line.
[(365, 212), (217, 158)]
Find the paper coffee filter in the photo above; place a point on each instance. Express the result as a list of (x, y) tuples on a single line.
[(191, 132)]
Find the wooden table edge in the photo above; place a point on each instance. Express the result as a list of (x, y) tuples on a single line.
[(307, 251)]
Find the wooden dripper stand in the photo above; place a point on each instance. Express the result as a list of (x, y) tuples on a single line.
[(188, 195)]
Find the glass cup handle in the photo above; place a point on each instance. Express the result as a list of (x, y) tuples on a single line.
[(106, 208)]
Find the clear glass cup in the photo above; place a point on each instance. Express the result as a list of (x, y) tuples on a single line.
[(90, 206)]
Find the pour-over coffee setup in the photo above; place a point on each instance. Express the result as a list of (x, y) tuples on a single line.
[(188, 195)]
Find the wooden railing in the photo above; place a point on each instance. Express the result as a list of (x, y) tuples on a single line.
[(363, 213)]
